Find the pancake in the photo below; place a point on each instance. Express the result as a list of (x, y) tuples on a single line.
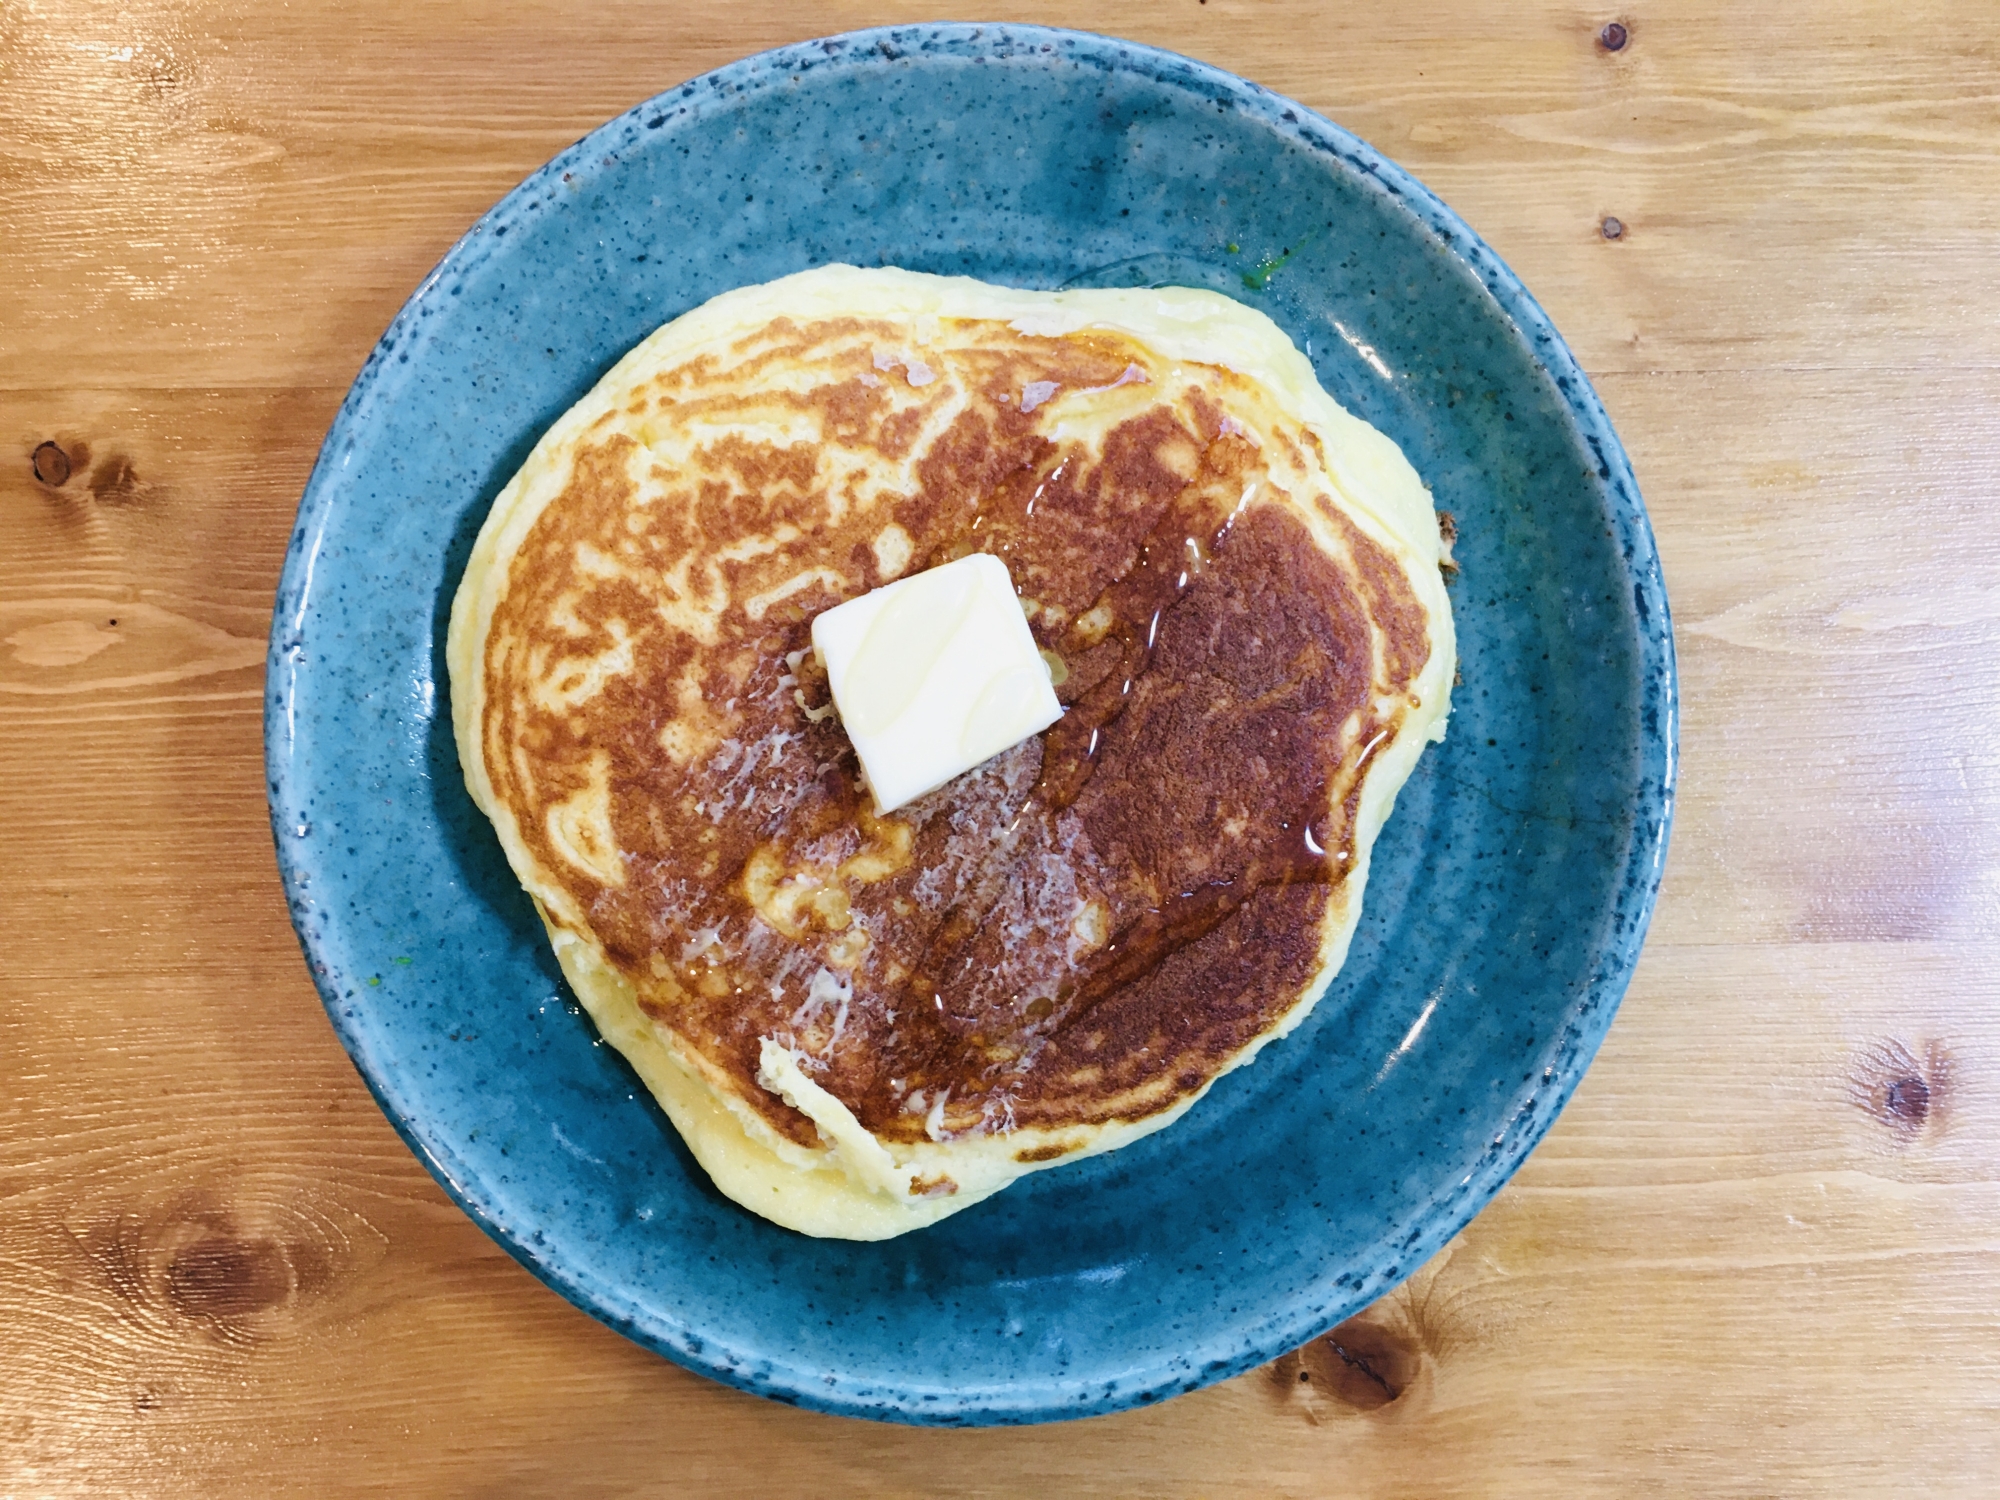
[(862, 1023)]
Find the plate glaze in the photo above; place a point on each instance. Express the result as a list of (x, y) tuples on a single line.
[(1510, 891)]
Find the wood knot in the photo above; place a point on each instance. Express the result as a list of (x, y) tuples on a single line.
[(216, 1279), (1362, 1365), (1614, 37), (52, 465), (1905, 1090), (192, 1263), (1909, 1099), (116, 481)]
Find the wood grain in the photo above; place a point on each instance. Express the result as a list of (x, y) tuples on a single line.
[(1759, 1255)]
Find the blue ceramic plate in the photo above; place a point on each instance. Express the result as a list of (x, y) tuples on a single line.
[(1510, 890)]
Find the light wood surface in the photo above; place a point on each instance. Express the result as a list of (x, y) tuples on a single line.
[(1760, 1254)]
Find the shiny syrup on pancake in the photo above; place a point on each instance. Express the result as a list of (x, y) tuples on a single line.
[(1198, 797)]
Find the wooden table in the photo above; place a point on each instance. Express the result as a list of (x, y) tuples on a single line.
[(1759, 1255)]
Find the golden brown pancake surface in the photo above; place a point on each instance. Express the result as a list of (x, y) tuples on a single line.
[(1062, 947)]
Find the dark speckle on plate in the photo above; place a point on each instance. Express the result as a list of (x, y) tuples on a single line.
[(1509, 895)]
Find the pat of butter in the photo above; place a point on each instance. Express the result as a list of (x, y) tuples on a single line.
[(933, 674)]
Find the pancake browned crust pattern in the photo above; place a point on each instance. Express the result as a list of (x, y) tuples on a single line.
[(1087, 929)]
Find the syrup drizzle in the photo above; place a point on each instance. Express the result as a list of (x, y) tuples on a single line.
[(1183, 548), (1170, 562)]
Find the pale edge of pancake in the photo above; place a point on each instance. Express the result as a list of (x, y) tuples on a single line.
[(849, 1189)]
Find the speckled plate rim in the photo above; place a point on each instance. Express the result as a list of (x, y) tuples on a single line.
[(1595, 1005)]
